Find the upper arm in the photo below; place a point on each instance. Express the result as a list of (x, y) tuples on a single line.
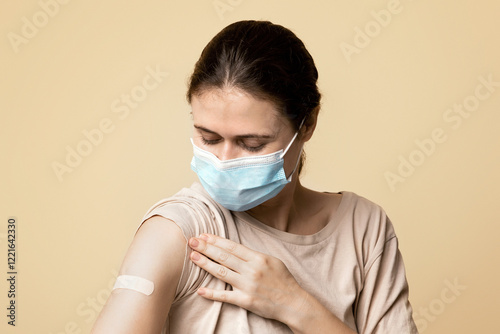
[(156, 253), (383, 306)]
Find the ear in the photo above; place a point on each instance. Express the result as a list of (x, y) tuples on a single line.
[(309, 125)]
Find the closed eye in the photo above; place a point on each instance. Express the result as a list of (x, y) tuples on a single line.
[(210, 141), (252, 148), (248, 142)]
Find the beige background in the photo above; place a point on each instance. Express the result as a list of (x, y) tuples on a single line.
[(69, 74)]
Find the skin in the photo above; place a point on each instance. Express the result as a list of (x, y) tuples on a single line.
[(230, 124), (238, 125), (157, 242)]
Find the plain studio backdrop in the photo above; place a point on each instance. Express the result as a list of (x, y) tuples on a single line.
[(95, 129)]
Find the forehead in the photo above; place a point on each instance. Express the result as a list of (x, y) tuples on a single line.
[(233, 110)]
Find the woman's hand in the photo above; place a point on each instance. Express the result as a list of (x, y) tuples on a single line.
[(261, 283)]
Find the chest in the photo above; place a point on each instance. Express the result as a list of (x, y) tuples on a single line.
[(330, 270)]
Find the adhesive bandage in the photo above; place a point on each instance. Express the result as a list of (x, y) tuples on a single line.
[(136, 283)]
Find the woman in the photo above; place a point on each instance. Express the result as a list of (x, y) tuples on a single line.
[(251, 250)]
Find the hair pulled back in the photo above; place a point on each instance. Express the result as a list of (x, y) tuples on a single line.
[(263, 59)]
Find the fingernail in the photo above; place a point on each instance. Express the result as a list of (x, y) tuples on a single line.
[(195, 256), (204, 237), (201, 292), (193, 242)]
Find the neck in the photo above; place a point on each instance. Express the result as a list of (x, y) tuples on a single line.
[(283, 211)]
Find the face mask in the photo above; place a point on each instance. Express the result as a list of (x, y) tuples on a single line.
[(242, 183)]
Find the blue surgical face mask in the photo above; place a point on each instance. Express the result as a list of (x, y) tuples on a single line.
[(243, 183)]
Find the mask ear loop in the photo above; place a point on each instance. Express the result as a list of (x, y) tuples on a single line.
[(300, 154), (289, 179), (293, 139)]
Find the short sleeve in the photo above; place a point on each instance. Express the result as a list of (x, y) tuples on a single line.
[(383, 306), (193, 215)]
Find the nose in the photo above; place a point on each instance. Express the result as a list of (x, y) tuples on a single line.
[(227, 151)]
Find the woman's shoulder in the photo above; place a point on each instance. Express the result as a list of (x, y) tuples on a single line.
[(369, 221), (192, 210), (347, 204), (193, 196), (361, 205)]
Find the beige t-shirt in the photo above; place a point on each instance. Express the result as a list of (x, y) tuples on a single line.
[(352, 266)]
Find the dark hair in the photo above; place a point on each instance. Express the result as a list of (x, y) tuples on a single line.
[(263, 59)]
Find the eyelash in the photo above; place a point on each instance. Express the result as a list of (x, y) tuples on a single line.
[(253, 149), (209, 142), (248, 148)]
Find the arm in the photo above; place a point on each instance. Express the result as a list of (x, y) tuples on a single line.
[(263, 285), (156, 253), (383, 305)]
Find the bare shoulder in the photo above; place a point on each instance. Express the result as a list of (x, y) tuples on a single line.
[(157, 242), (156, 254)]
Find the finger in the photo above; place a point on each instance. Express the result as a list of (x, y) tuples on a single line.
[(229, 246), (217, 295), (219, 271), (231, 297), (216, 254)]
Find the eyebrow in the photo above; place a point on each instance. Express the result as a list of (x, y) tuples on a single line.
[(250, 135)]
